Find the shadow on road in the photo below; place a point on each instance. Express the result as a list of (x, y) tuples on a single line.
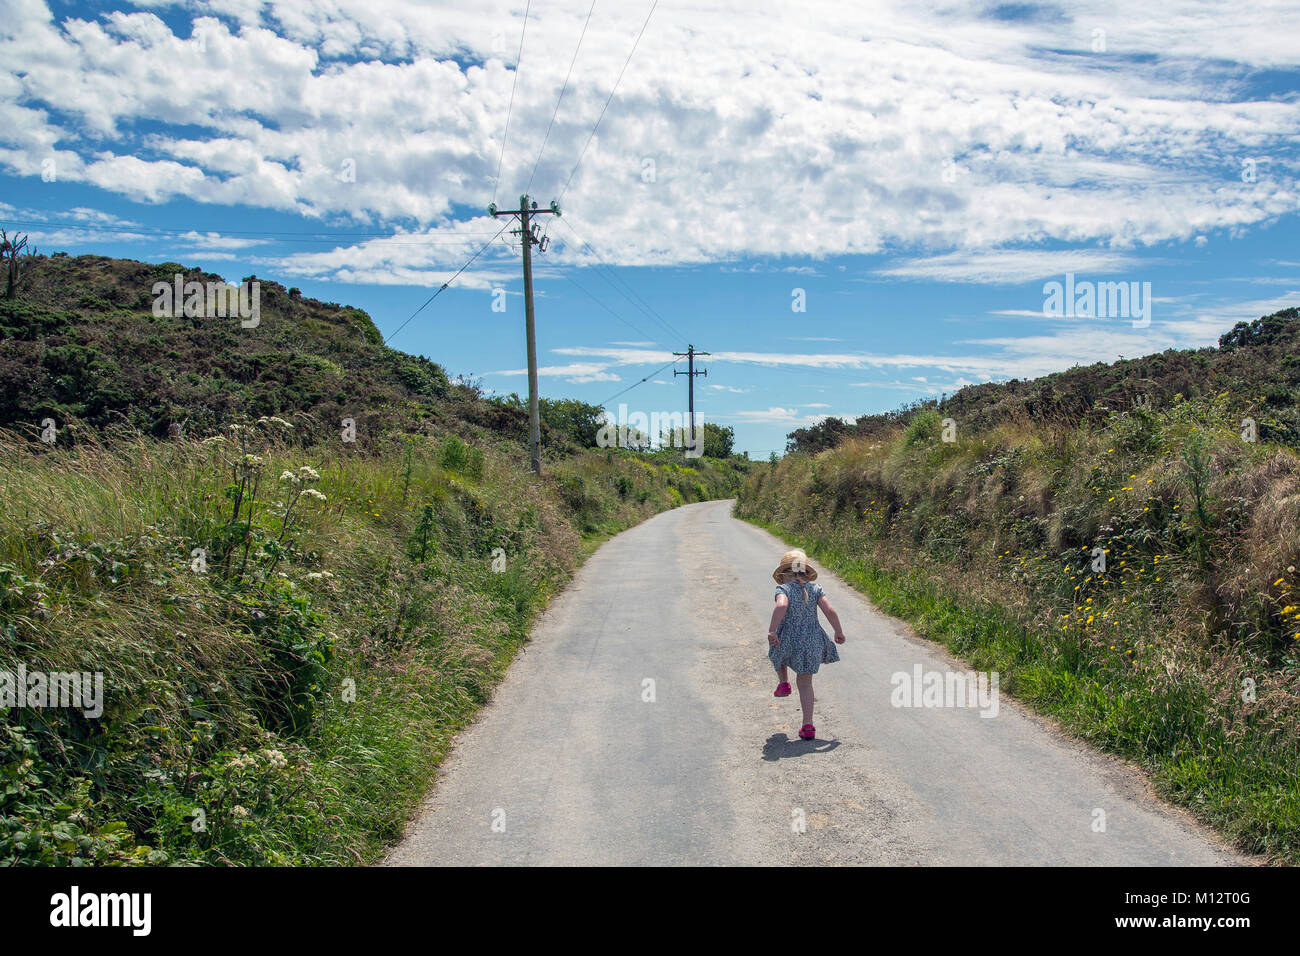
[(779, 746)]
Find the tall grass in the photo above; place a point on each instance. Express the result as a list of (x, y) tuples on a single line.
[(1180, 651), (288, 640)]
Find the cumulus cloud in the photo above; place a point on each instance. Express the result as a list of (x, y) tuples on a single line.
[(856, 128)]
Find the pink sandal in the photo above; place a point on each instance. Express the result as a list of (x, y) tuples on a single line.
[(807, 732), (782, 689)]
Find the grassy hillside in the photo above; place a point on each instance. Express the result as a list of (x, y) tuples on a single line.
[(1256, 367), (1180, 651), (81, 344), (290, 627)]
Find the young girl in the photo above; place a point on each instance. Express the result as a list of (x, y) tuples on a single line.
[(795, 639)]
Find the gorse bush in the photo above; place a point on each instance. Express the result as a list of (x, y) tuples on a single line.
[(454, 454), (923, 428)]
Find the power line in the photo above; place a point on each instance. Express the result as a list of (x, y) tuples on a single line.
[(445, 284), (509, 109), (630, 293), (616, 315), (607, 100), (624, 294), (641, 382), (610, 276), (585, 291), (210, 234), (560, 98), (607, 308)]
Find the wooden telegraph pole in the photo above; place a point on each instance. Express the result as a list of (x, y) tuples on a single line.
[(528, 238), (690, 374)]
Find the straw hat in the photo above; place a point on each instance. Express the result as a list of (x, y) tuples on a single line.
[(792, 563)]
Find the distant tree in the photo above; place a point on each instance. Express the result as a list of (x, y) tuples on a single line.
[(718, 440), (825, 434), (1263, 331), (14, 257), (572, 419)]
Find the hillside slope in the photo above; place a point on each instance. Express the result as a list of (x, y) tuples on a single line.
[(289, 628), (84, 342), (1257, 365), (1130, 567)]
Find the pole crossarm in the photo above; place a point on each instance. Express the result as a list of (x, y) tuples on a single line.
[(690, 355)]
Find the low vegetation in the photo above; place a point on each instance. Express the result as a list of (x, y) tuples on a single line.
[(290, 626), (1130, 568)]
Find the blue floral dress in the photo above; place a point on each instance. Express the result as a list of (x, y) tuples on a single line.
[(803, 646)]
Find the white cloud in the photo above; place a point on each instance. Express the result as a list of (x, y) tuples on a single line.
[(840, 118), (576, 373), (776, 415), (1008, 266)]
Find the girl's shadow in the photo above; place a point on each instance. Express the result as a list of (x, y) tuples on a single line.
[(780, 745)]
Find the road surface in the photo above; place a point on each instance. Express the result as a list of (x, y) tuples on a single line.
[(579, 759)]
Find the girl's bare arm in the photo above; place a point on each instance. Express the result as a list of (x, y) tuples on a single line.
[(825, 605), (778, 615)]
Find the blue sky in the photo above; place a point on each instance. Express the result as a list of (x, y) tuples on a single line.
[(911, 175)]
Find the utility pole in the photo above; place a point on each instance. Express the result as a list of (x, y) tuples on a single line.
[(689, 355), (528, 238)]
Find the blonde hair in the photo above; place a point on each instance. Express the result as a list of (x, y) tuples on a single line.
[(801, 576)]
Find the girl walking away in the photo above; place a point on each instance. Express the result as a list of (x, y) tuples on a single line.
[(795, 639)]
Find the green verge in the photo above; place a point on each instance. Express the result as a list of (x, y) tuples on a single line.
[(1241, 785), (288, 700)]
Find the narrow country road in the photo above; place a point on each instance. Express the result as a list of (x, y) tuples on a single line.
[(574, 765)]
